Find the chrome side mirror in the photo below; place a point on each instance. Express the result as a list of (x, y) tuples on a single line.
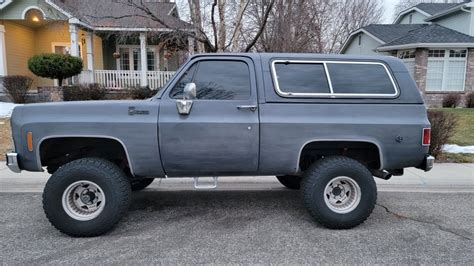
[(189, 94)]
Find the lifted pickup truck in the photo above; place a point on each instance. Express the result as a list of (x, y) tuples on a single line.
[(324, 123)]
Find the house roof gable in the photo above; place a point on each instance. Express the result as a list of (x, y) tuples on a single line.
[(429, 10), (429, 35)]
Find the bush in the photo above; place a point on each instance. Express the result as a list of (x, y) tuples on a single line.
[(451, 100), (141, 93), (84, 92), (16, 87), (442, 128), (470, 100), (55, 66)]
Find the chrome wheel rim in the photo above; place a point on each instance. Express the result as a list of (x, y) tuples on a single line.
[(342, 194), (83, 200)]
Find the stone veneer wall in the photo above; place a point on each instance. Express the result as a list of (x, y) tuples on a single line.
[(434, 99), (50, 94)]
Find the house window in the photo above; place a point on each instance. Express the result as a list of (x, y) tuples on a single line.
[(436, 53), (360, 39), (410, 19), (446, 70), (130, 58), (406, 54), (124, 59)]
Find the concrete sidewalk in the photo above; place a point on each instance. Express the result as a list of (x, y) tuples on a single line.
[(447, 177)]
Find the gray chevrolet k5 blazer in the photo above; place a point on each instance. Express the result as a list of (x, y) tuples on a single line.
[(325, 124)]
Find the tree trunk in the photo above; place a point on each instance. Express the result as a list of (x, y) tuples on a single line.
[(195, 11), (222, 26)]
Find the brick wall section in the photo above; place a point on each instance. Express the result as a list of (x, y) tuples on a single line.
[(421, 66), (5, 137), (469, 87), (50, 94)]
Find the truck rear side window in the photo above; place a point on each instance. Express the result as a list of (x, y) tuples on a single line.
[(334, 79), (360, 78), (302, 78)]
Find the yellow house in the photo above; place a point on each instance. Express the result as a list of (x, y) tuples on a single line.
[(120, 44)]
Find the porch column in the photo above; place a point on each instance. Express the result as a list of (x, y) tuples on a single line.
[(90, 50), (144, 61), (90, 55), (74, 44), (191, 45), (3, 53)]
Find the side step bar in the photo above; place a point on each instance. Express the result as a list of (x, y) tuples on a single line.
[(204, 186)]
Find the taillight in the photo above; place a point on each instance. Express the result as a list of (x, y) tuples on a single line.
[(426, 136)]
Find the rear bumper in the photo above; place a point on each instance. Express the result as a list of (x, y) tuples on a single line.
[(428, 163), (12, 162)]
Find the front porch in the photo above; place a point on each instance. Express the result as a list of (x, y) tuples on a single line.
[(115, 55), (120, 79)]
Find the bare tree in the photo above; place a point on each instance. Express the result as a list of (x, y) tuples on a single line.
[(316, 25), (221, 22)]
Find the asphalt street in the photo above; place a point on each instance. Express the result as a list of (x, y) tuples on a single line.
[(420, 218), (240, 226)]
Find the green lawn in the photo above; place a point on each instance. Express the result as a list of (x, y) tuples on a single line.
[(464, 135)]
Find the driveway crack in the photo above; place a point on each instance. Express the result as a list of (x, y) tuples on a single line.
[(440, 227)]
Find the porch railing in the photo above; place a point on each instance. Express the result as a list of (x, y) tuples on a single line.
[(120, 79)]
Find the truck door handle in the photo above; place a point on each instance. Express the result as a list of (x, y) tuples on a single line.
[(252, 108)]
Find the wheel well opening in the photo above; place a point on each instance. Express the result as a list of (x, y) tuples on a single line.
[(365, 152), (56, 152)]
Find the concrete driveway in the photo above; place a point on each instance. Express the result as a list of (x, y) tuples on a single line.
[(251, 220)]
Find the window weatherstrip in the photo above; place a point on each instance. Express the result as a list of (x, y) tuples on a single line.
[(332, 94)]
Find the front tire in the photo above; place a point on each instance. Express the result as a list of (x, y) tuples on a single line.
[(86, 197), (339, 192)]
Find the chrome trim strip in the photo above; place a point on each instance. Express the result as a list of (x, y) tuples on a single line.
[(332, 94), (328, 77), (38, 158), (12, 162), (345, 140)]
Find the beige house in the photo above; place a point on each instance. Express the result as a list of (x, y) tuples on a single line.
[(119, 45)]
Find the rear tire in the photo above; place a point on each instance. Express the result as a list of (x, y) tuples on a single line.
[(290, 181), (339, 192), (86, 197), (141, 184)]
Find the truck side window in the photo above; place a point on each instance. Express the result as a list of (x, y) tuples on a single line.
[(302, 77), (177, 91), (360, 79), (222, 80)]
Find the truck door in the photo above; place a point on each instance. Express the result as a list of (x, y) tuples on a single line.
[(220, 135)]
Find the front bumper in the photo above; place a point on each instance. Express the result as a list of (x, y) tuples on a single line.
[(428, 163), (12, 162)]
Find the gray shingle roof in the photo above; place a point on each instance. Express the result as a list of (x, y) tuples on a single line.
[(433, 8), (116, 14), (431, 34), (390, 32)]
